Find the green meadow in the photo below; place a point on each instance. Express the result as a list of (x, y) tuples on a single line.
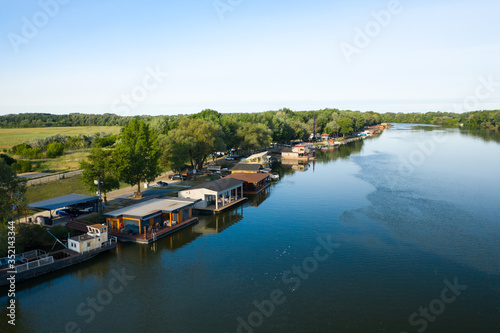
[(12, 136)]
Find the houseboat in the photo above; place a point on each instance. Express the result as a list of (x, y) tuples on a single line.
[(79, 248)]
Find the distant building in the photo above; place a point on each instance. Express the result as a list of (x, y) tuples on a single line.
[(300, 152)]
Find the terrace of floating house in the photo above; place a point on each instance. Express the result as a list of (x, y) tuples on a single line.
[(152, 213), (215, 195)]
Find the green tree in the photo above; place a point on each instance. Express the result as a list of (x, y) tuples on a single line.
[(100, 166), (333, 128), (175, 149), (201, 138), (54, 149), (12, 192), (137, 155), (254, 136), (345, 126)]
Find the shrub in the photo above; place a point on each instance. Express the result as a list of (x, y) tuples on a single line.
[(22, 166), (9, 160), (55, 149)]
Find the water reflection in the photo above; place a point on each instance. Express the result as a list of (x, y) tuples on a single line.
[(484, 135)]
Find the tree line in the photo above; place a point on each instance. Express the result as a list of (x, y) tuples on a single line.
[(283, 123)]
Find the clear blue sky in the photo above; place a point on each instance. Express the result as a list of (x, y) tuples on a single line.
[(258, 56)]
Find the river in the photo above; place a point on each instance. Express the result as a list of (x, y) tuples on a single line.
[(396, 233)]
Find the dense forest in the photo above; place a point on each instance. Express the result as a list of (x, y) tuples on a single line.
[(326, 119)]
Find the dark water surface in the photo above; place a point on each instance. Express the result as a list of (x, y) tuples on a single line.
[(399, 233)]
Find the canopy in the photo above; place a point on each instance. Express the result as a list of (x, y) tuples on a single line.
[(64, 201)]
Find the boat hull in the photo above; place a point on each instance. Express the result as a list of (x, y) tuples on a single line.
[(72, 259)]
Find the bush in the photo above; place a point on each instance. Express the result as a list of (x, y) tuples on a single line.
[(22, 166), (55, 149), (9, 160)]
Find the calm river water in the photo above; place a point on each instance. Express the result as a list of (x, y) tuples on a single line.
[(398, 233)]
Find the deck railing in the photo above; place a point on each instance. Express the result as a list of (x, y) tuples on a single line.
[(34, 264)]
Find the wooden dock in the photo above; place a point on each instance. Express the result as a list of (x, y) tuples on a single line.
[(212, 210)]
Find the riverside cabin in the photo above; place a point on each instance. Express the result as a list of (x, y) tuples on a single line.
[(158, 213), (253, 183), (216, 195)]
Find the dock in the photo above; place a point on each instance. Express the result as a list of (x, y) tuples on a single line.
[(213, 210)]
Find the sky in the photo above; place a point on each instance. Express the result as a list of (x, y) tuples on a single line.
[(180, 57)]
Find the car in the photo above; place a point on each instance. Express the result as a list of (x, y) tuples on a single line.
[(161, 183), (229, 158), (67, 212), (177, 177)]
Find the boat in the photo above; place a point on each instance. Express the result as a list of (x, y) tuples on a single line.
[(275, 176), (34, 263)]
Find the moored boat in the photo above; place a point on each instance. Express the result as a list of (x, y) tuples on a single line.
[(30, 264)]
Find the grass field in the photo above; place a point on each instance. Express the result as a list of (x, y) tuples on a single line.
[(69, 161), (58, 188), (55, 189), (12, 136)]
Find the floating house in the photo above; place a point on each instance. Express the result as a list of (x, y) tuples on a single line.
[(246, 168), (260, 158), (253, 183), (160, 216), (300, 152), (215, 196)]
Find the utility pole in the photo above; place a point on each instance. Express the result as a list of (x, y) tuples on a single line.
[(98, 183)]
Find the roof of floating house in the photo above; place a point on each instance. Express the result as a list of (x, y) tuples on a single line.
[(246, 167), (253, 178), (257, 156), (151, 207), (218, 185), (287, 150), (63, 201)]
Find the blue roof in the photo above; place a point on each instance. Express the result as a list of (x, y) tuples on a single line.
[(64, 201)]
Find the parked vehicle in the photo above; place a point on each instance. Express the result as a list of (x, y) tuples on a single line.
[(177, 177), (67, 212), (229, 158), (161, 183)]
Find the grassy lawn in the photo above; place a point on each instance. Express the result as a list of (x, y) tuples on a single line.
[(12, 136), (59, 188), (56, 189), (69, 161)]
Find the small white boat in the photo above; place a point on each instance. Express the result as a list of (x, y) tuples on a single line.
[(275, 176)]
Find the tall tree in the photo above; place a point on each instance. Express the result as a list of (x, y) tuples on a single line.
[(137, 155), (174, 149), (345, 126), (254, 136), (100, 166), (12, 192), (201, 138)]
